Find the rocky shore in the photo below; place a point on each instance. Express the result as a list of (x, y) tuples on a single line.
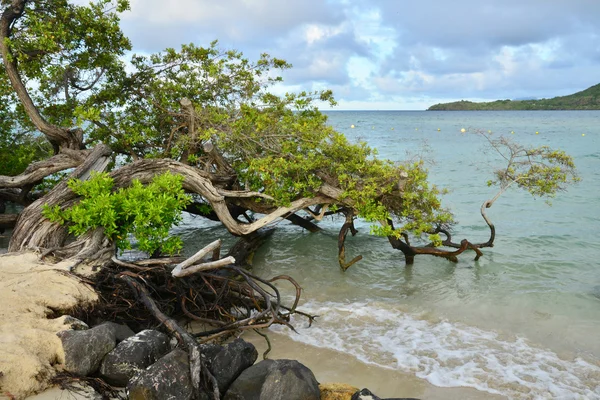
[(40, 347)]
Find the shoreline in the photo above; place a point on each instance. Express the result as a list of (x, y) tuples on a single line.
[(331, 366), (31, 289)]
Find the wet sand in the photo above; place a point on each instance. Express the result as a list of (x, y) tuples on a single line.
[(331, 366)]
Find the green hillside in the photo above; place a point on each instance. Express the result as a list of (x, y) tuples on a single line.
[(588, 99)]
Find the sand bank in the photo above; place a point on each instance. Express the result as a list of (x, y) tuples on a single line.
[(30, 291)]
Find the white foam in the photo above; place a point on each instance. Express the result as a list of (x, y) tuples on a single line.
[(447, 354)]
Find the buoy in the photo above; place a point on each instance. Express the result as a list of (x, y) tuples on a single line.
[(392, 128), (416, 129), (372, 127), (583, 134), (537, 133), (439, 129), (489, 131), (513, 132), (352, 126), (463, 130)]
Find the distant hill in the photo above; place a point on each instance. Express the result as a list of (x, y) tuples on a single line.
[(588, 99)]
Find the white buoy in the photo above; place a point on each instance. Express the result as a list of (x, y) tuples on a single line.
[(352, 126)]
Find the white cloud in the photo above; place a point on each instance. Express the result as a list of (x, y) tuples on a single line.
[(385, 52)]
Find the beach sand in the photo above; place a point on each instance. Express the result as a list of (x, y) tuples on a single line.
[(332, 366)]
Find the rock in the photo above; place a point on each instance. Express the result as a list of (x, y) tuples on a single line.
[(273, 380), (132, 355), (337, 391), (226, 363), (166, 379), (121, 331), (84, 350), (365, 394)]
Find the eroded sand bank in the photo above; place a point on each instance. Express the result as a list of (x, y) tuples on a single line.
[(29, 291)]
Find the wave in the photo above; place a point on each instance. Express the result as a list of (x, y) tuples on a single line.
[(447, 354)]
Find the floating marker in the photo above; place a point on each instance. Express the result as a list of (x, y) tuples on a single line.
[(489, 131), (352, 126), (583, 134), (372, 127), (537, 133), (392, 128), (463, 130), (513, 132), (439, 129)]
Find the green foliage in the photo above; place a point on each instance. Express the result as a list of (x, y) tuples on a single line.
[(20, 150), (66, 53), (146, 212), (541, 171), (588, 99)]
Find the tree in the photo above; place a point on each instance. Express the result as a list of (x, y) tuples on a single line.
[(88, 144), (207, 115)]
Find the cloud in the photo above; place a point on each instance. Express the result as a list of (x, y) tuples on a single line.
[(391, 52)]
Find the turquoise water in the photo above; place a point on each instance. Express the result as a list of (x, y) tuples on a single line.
[(523, 321)]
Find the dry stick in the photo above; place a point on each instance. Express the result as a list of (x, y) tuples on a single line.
[(196, 365), (196, 257), (207, 266)]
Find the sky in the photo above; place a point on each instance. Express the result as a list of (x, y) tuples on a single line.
[(394, 54)]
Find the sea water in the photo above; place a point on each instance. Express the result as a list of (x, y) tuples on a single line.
[(523, 321)]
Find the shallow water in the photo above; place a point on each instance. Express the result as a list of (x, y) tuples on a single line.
[(522, 321)]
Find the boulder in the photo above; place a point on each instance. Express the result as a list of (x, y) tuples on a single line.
[(166, 379), (365, 394), (85, 349), (337, 391), (132, 355), (273, 380), (121, 331), (226, 363)]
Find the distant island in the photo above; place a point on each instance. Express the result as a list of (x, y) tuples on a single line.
[(588, 99)]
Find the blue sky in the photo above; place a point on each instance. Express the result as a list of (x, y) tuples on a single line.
[(394, 54)]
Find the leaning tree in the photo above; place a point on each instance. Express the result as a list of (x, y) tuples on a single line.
[(95, 152)]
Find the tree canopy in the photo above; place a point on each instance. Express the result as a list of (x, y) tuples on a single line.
[(98, 149), (249, 157)]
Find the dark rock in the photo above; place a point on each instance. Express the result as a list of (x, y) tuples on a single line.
[(84, 350), (132, 355), (121, 331), (166, 379), (226, 363), (366, 394), (274, 380)]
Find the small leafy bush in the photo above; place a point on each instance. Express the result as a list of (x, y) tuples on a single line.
[(146, 212)]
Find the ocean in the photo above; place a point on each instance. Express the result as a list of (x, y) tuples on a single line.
[(522, 322)]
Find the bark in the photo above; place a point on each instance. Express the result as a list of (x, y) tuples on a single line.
[(36, 171), (197, 181), (59, 137), (8, 221), (33, 230), (348, 226)]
